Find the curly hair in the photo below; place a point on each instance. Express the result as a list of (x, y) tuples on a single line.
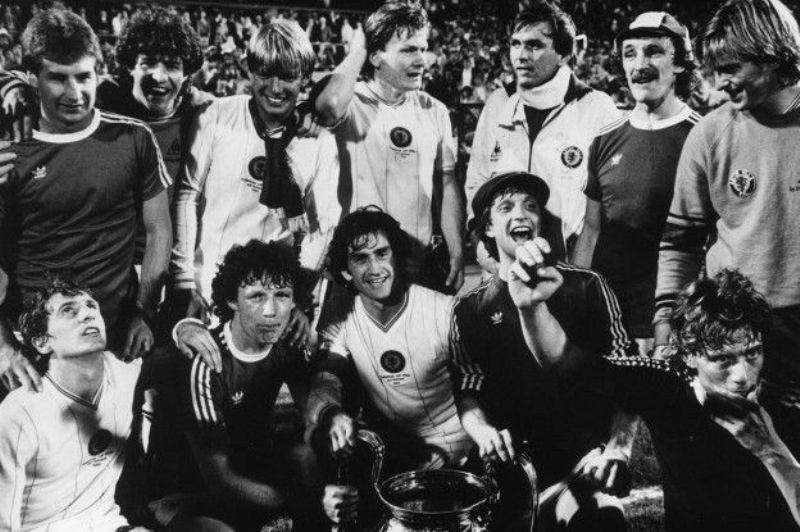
[(395, 17), (35, 315), (357, 230), (159, 32), (60, 36), (246, 265), (711, 312)]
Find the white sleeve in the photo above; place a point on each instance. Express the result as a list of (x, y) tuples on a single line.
[(18, 444), (446, 151), (189, 190), (482, 145)]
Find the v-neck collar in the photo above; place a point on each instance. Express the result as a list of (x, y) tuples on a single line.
[(93, 404), (393, 319)]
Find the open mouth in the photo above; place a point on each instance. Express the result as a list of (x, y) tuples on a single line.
[(91, 331), (158, 91), (377, 282), (275, 101), (521, 234)]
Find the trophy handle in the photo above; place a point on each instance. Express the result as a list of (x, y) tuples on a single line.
[(527, 519), (524, 462), (377, 449)]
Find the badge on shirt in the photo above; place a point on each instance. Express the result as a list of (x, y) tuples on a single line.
[(393, 363), (400, 137), (742, 183), (572, 156)]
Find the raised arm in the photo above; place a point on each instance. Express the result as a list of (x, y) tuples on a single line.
[(333, 101)]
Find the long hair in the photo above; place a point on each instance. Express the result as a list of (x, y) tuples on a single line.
[(357, 230), (760, 31)]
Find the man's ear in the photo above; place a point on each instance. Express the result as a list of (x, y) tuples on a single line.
[(691, 361), (375, 58), (488, 230), (33, 80), (347, 276), (233, 306), (42, 344)]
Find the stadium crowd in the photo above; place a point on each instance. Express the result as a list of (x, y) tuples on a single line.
[(202, 206)]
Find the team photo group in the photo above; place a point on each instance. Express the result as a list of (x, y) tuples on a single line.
[(300, 308)]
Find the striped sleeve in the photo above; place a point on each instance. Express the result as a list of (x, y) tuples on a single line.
[(465, 372), (153, 171), (688, 227), (606, 334), (205, 396), (18, 445)]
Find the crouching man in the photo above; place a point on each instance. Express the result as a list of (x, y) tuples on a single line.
[(724, 465), (506, 401), (62, 449), (391, 343), (214, 460)]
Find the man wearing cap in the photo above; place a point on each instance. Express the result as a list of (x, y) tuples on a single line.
[(504, 398), (631, 167), (737, 179), (546, 126)]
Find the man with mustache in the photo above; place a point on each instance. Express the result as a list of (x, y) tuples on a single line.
[(397, 141), (737, 179), (546, 125), (631, 168), (62, 450)]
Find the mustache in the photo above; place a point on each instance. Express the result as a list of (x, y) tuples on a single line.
[(644, 75)]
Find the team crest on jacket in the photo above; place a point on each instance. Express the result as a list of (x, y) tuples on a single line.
[(572, 156), (742, 183), (393, 362), (400, 137)]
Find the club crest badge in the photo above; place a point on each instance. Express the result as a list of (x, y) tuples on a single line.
[(572, 156), (257, 166), (742, 183), (99, 442), (400, 137), (393, 361)]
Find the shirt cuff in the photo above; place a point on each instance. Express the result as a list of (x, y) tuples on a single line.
[(181, 322)]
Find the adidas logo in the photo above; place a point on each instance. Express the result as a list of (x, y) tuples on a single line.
[(40, 173), (497, 318), (237, 397), (174, 149)]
